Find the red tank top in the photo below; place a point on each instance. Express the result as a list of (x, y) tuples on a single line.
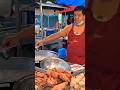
[(76, 48)]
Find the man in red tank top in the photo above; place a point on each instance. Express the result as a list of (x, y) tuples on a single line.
[(76, 37), (76, 40)]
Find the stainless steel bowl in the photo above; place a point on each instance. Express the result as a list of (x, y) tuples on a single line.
[(53, 62)]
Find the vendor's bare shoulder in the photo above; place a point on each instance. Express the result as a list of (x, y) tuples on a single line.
[(67, 29), (70, 27), (64, 32)]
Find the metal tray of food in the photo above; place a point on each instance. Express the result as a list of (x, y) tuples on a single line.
[(53, 62)]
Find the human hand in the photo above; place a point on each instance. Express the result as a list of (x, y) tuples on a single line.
[(38, 44)]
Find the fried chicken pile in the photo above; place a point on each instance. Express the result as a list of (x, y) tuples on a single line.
[(53, 79)]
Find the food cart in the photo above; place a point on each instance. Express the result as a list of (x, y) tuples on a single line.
[(52, 72)]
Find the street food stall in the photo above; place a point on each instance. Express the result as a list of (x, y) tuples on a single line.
[(53, 73)]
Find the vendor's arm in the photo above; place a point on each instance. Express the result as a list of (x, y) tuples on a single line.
[(53, 37)]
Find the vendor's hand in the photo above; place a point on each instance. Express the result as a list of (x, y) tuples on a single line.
[(10, 41), (38, 44)]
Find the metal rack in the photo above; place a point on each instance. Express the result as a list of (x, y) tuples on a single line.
[(41, 11), (41, 5)]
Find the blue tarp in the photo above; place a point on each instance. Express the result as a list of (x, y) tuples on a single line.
[(71, 2)]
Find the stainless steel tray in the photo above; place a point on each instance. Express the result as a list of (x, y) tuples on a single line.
[(53, 62)]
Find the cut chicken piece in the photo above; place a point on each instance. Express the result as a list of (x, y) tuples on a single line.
[(61, 86)]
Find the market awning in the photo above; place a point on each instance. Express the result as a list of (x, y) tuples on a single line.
[(68, 9), (71, 2)]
